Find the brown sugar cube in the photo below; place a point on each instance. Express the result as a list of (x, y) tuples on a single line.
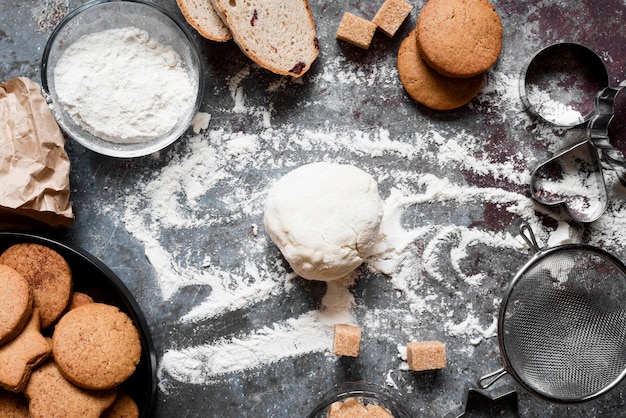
[(355, 408), (351, 407), (347, 340), (356, 30), (426, 355), (391, 15)]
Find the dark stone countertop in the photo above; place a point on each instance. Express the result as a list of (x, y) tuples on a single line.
[(209, 280)]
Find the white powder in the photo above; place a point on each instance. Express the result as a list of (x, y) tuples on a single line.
[(123, 86), (205, 363), (552, 110), (221, 164), (471, 327), (200, 122), (564, 234), (311, 332)]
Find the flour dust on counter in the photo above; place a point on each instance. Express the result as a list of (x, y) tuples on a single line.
[(212, 192), (310, 332)]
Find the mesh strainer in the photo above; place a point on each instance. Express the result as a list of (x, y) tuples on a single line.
[(562, 323)]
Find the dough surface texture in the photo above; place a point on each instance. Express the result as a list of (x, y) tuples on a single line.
[(324, 218)]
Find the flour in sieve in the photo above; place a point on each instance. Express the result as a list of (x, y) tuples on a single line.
[(124, 86)]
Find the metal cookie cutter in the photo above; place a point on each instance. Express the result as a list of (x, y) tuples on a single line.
[(566, 85), (502, 404)]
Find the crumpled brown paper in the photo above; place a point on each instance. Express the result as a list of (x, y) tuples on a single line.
[(34, 167)]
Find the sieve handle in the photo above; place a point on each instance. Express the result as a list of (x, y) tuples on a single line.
[(527, 233), (491, 378)]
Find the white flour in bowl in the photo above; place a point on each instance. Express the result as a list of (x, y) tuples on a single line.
[(123, 86)]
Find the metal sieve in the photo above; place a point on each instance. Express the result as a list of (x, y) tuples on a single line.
[(562, 323)]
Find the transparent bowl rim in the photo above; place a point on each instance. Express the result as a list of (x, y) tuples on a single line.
[(151, 146), (360, 389)]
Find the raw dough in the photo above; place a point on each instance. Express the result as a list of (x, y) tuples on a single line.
[(324, 218)]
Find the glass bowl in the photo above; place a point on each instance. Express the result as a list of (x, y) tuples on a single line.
[(100, 15), (92, 277), (365, 393)]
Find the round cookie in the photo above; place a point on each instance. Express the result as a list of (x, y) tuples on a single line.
[(123, 407), (13, 405), (16, 303), (51, 395), (48, 274), (96, 346), (324, 218), (459, 38), (80, 299), (427, 86)]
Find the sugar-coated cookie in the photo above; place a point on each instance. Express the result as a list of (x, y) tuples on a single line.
[(48, 274), (13, 405), (51, 395), (104, 360), (20, 356), (123, 407), (459, 38), (16, 303), (427, 86)]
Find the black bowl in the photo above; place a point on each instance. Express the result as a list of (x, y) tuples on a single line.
[(95, 279)]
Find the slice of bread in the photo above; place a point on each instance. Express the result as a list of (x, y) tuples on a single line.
[(201, 15), (279, 35)]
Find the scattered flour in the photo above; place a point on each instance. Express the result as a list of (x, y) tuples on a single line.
[(182, 198), (206, 363), (564, 234), (123, 86), (471, 327), (552, 110), (308, 333)]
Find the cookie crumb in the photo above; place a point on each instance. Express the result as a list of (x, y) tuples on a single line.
[(356, 30)]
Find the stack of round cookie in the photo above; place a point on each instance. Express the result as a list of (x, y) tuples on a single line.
[(442, 62), (61, 352)]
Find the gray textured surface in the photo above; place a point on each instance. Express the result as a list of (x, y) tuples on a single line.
[(322, 103)]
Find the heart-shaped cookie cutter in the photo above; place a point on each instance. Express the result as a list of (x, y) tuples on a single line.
[(587, 110)]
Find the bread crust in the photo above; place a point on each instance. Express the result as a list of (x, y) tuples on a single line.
[(267, 37), (203, 17)]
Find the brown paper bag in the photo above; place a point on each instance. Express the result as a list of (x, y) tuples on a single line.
[(34, 167)]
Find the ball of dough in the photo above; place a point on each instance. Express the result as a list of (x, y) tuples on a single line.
[(324, 218)]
